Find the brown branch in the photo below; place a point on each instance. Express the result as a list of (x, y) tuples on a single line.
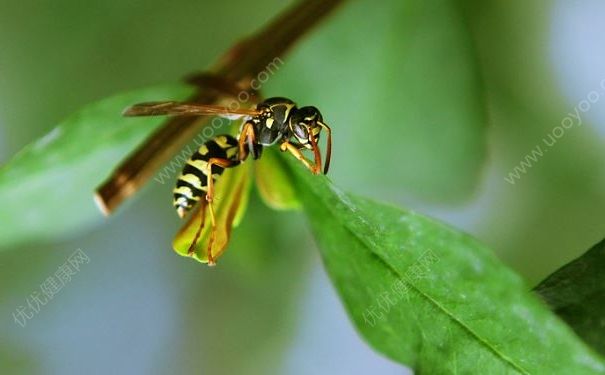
[(240, 64)]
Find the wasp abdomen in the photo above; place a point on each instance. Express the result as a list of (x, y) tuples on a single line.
[(192, 184)]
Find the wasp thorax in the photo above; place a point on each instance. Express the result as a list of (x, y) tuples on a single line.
[(270, 125)]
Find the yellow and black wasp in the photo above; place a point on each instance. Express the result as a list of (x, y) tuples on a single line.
[(274, 121)]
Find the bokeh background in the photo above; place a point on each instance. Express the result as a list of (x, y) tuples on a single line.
[(137, 308)]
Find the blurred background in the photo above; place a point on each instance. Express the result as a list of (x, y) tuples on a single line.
[(433, 105)]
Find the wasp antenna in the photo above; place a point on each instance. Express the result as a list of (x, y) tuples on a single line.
[(328, 148)]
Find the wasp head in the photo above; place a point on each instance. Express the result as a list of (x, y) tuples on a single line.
[(305, 124)]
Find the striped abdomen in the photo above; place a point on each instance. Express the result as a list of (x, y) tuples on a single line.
[(192, 184)]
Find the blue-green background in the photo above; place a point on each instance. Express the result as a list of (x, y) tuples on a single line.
[(269, 308)]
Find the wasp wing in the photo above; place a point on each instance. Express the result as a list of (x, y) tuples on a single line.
[(160, 146), (172, 108)]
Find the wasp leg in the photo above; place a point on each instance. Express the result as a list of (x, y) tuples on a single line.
[(329, 147), (224, 163), (220, 84), (247, 140), (199, 230), (314, 167), (317, 155), (211, 261)]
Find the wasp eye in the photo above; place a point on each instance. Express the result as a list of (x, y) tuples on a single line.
[(301, 131)]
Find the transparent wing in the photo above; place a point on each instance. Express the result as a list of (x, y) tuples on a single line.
[(172, 108)]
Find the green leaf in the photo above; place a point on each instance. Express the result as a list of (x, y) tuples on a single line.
[(576, 292), (431, 297), (401, 90), (47, 189), (274, 183), (234, 304)]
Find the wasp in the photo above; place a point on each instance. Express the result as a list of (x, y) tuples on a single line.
[(274, 121)]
